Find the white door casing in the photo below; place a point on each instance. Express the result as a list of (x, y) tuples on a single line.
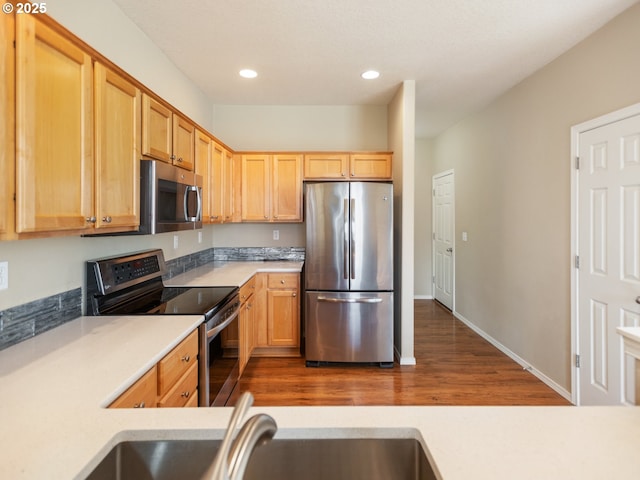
[(444, 238), (606, 241)]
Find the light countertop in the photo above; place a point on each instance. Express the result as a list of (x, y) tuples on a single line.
[(230, 273), (53, 389)]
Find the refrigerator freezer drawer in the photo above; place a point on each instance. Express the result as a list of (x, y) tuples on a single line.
[(349, 327)]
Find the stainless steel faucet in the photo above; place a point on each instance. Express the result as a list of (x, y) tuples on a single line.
[(233, 455)]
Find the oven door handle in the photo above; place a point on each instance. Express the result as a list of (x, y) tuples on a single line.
[(218, 328)]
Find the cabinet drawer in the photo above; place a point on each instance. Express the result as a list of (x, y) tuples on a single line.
[(283, 280), (247, 289), (183, 391), (176, 362), (141, 394)]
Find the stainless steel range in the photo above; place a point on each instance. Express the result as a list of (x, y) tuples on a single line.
[(132, 285)]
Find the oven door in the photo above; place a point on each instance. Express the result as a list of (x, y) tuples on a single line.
[(219, 367)]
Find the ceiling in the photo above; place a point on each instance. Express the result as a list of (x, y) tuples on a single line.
[(461, 53)]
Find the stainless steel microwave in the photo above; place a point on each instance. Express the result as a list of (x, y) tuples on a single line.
[(170, 198)]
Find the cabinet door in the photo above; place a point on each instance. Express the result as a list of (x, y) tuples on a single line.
[(216, 212), (255, 188), (184, 134), (370, 166), (286, 195), (326, 166), (261, 329), (205, 167), (231, 188), (117, 164), (54, 164), (283, 318), (157, 129), (7, 126)]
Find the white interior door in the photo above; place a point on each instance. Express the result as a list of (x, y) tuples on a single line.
[(443, 238), (608, 276)]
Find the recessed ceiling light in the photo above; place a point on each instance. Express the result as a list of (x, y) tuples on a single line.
[(248, 73), (370, 75)]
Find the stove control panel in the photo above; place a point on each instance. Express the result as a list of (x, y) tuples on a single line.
[(108, 275), (135, 269)]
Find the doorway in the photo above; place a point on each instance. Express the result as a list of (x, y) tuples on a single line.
[(606, 251), (443, 192)]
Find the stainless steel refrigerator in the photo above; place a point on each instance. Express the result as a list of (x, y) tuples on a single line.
[(349, 272)]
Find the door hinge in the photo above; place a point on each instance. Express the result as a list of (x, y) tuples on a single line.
[(577, 262), (577, 163), (577, 360)]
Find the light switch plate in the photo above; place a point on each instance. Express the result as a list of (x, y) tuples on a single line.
[(4, 275), (276, 234)]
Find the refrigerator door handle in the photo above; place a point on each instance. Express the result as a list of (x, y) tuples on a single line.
[(352, 267), (349, 300), (345, 253)]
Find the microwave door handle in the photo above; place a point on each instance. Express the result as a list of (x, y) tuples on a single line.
[(187, 191), (186, 203), (199, 199)]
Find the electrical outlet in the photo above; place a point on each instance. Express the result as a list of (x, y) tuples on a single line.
[(276, 234), (175, 242), (4, 275), (199, 237)]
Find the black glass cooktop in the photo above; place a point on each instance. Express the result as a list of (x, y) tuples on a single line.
[(175, 301)]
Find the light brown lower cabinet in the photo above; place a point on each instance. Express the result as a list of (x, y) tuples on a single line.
[(172, 382), (278, 321), (142, 394)]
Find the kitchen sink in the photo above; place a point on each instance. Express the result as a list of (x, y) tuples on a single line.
[(281, 459)]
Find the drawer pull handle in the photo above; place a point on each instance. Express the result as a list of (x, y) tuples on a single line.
[(185, 394), (186, 358), (138, 405)]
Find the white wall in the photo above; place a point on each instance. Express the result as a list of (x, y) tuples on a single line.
[(301, 127), (512, 165), (401, 133), (423, 269)]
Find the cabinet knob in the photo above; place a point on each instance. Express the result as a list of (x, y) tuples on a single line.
[(282, 282), (172, 157), (138, 405), (342, 174), (295, 295), (186, 358), (91, 219), (185, 394), (106, 219), (180, 159)]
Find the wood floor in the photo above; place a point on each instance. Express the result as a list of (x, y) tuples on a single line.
[(455, 366)]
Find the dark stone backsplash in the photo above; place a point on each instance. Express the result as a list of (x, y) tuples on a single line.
[(33, 318), (30, 319)]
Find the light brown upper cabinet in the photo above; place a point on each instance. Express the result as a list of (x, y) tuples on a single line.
[(222, 199), (166, 135), (54, 140), (347, 166), (117, 140), (204, 167), (271, 187), (7, 127), (215, 164)]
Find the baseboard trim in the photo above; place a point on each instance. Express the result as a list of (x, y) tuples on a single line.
[(516, 358), (423, 297), (403, 360)]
